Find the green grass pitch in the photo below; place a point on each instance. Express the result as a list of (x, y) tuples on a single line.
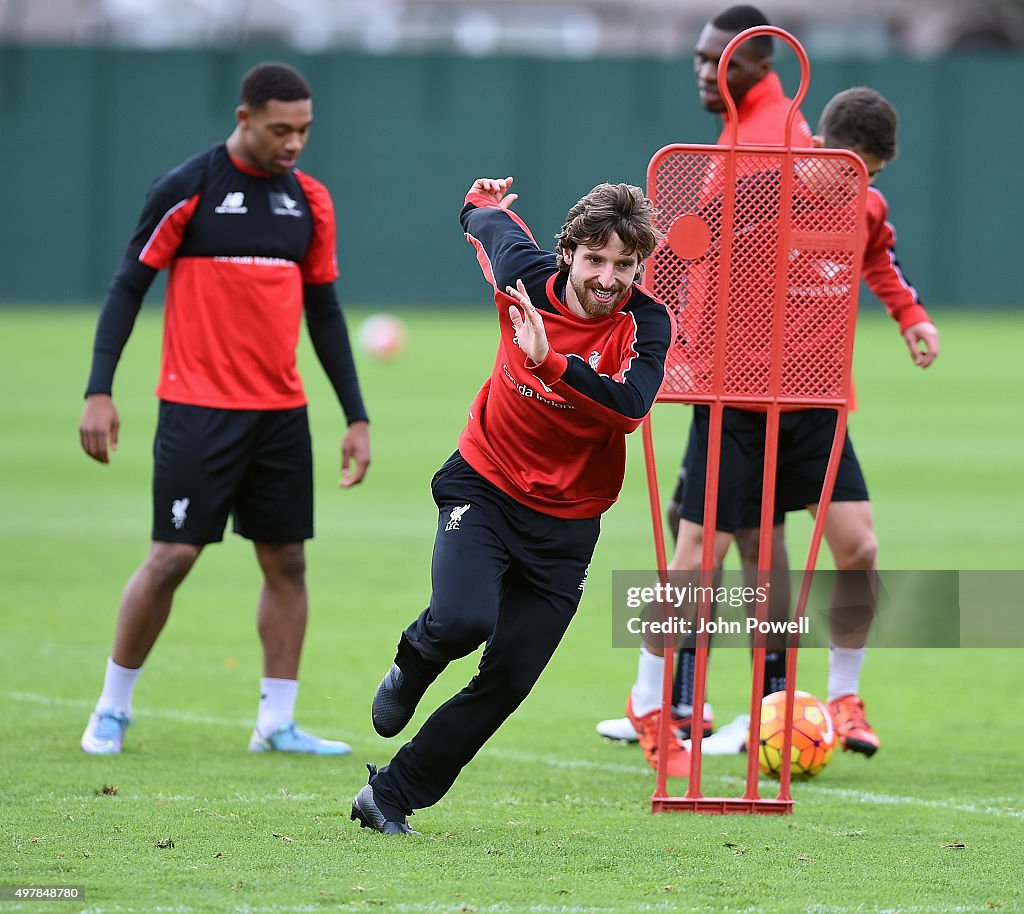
[(549, 818)]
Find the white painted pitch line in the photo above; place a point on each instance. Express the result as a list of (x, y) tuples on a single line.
[(855, 795), (867, 797), (207, 801), (187, 717), (409, 908), (882, 799), (503, 908)]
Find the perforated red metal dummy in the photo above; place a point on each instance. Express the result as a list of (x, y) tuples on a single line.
[(760, 268)]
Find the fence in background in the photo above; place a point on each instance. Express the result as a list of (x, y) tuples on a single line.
[(399, 139)]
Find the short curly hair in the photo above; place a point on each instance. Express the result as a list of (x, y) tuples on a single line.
[(273, 80), (860, 118), (619, 209), (738, 19)]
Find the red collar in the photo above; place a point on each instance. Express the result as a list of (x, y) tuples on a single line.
[(762, 93), (247, 169)]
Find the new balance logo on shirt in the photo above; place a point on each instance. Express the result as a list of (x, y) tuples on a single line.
[(233, 203), (281, 204)]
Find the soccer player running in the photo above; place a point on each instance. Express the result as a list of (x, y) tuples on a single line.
[(581, 356), (249, 242)]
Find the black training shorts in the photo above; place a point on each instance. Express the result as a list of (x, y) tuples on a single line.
[(253, 464), (751, 514), (805, 442)]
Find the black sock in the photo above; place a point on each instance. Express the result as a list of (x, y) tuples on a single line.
[(682, 685), (774, 671)]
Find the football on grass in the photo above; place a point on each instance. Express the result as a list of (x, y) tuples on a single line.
[(382, 336), (814, 736)]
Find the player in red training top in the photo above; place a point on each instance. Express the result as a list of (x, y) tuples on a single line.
[(249, 243), (863, 122), (581, 356)]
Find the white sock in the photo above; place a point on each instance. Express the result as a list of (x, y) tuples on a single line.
[(844, 665), (118, 685), (277, 704), (647, 690)]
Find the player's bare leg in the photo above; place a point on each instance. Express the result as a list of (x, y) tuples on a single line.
[(688, 557), (672, 519), (281, 621), (850, 534), (145, 606), (283, 607), (731, 738), (690, 546), (779, 594), (146, 600), (643, 708)]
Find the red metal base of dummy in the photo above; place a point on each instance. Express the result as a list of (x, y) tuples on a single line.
[(722, 806)]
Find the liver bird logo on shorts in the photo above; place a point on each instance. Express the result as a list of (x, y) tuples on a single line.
[(178, 511), (455, 517)]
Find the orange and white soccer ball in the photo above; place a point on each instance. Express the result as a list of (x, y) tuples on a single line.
[(814, 735), (382, 336)]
